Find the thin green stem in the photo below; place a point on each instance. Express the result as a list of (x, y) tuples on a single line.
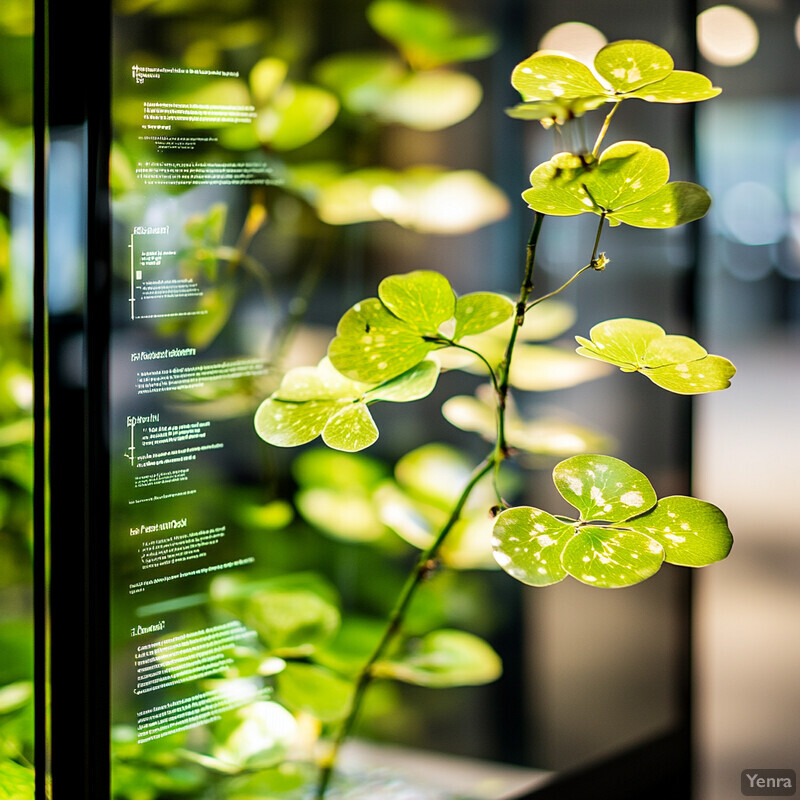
[(604, 129), (478, 355), (427, 560), (501, 446), (591, 265), (422, 568), (556, 291)]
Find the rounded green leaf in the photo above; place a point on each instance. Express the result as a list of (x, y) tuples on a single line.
[(431, 100), (423, 298), (674, 204), (545, 76), (315, 690), (603, 487), (609, 558), (710, 374), (262, 737), (541, 368), (692, 532), (676, 363), (626, 173), (630, 64), (292, 621), (527, 543), (362, 80), (443, 659), (372, 345), (557, 188), (351, 429), (342, 513), (16, 781), (414, 384), (429, 35), (266, 78), (678, 87), (322, 382), (481, 311), (297, 115), (288, 424)]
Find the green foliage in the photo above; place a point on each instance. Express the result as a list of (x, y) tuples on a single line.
[(556, 88), (628, 183), (16, 781), (429, 36), (676, 363), (621, 537), (443, 659)]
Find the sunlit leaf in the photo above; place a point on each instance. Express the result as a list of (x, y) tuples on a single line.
[(541, 436), (678, 87), (481, 311), (676, 363), (630, 64), (315, 690), (422, 298), (296, 115), (428, 200), (373, 345), (547, 76), (351, 429), (266, 77), (16, 781), (430, 101), (330, 469), (674, 204), (15, 695), (540, 368), (434, 472), (429, 35), (263, 734), (610, 558), (362, 80), (603, 487), (442, 659), (343, 513), (414, 384), (692, 532), (527, 544), (320, 400), (292, 621), (559, 111)]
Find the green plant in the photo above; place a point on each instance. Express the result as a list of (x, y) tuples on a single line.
[(385, 350)]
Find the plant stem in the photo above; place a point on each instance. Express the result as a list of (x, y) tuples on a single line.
[(421, 569), (604, 129), (501, 446), (427, 560)]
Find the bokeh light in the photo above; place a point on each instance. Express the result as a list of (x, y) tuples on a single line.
[(577, 39), (726, 36), (754, 214)]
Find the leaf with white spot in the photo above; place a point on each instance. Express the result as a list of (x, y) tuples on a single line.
[(603, 488), (625, 173), (678, 87), (630, 64), (373, 345), (414, 384), (610, 558), (675, 363), (710, 374), (481, 311), (676, 203), (422, 298), (545, 76), (286, 424), (527, 543), (351, 429), (692, 532)]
